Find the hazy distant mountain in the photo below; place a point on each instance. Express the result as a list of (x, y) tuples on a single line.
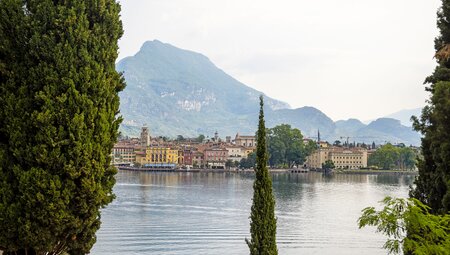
[(180, 92), (308, 119), (405, 115), (177, 91), (348, 127), (380, 131), (389, 130)]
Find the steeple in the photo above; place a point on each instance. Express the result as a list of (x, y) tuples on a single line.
[(318, 135)]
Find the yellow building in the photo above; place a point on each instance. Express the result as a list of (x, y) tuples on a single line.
[(343, 158), (159, 157), (349, 159)]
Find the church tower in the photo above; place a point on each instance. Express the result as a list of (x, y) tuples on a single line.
[(145, 137)]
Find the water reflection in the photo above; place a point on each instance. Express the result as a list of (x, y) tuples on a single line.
[(207, 213)]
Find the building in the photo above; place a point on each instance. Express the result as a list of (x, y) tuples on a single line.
[(159, 157), (323, 144), (236, 153), (215, 157), (197, 159), (245, 140), (188, 156), (123, 154), (343, 158), (315, 160), (145, 137)]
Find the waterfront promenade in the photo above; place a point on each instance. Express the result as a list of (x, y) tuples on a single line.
[(272, 170)]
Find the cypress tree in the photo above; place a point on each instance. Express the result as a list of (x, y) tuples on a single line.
[(433, 183), (263, 225), (58, 122)]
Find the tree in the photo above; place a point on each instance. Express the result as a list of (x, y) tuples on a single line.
[(310, 147), (433, 183), (407, 158), (248, 162), (386, 157), (180, 138), (425, 217), (263, 225), (426, 233), (285, 146), (200, 138), (329, 164), (229, 163), (58, 122), (164, 138)]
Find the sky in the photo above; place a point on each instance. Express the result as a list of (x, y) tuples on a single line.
[(349, 58)]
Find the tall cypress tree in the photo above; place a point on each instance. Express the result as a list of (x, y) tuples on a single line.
[(58, 122), (433, 183), (263, 225)]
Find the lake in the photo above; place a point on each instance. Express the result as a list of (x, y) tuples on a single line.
[(207, 213)]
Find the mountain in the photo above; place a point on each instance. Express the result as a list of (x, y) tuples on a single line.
[(405, 115), (348, 127), (380, 131), (308, 119), (391, 130), (180, 92)]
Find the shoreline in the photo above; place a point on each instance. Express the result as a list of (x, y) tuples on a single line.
[(376, 172), (294, 171), (197, 170)]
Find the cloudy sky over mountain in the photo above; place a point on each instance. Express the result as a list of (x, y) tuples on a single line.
[(349, 58)]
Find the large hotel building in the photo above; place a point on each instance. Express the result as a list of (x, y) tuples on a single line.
[(343, 158)]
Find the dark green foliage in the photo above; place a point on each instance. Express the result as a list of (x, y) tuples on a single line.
[(180, 138), (229, 163), (425, 218), (285, 146), (392, 157), (200, 138), (58, 122), (329, 164), (433, 183), (263, 225), (248, 162), (428, 234)]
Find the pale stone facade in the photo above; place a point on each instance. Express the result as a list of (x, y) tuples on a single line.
[(343, 158), (123, 154), (145, 137), (245, 140), (236, 153), (315, 160)]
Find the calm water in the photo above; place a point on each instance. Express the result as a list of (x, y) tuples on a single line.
[(207, 213)]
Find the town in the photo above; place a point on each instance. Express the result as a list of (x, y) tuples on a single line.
[(158, 153)]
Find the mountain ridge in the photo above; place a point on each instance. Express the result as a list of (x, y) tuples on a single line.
[(181, 92)]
